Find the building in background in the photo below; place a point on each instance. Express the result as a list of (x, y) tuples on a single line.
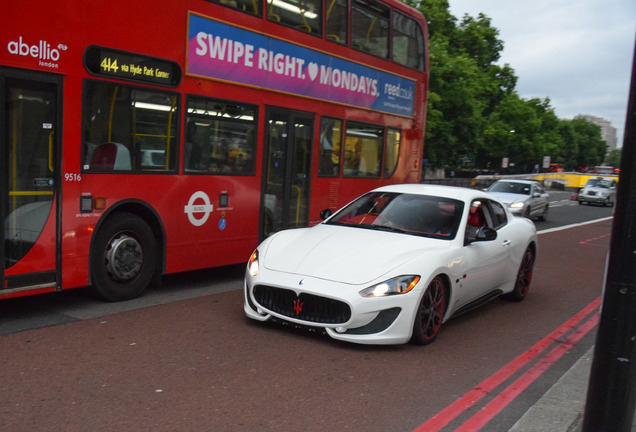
[(608, 132)]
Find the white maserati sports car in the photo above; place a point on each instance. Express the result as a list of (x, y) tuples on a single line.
[(393, 265)]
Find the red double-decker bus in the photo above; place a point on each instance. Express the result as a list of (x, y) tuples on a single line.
[(144, 138)]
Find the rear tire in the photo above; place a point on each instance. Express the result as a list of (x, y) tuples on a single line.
[(430, 313), (123, 259)]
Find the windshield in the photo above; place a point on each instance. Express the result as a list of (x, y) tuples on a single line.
[(511, 187), (421, 215), (599, 183)]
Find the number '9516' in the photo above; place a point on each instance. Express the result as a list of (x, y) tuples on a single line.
[(72, 177)]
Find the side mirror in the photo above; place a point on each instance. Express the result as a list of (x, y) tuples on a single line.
[(325, 214), (478, 235), (486, 234)]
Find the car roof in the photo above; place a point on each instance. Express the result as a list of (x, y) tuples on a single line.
[(458, 193)]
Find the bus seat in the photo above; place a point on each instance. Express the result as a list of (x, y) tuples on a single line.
[(111, 156)]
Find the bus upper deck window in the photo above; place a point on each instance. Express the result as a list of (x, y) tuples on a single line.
[(408, 42), (253, 7), (304, 15), (370, 27), (337, 21)]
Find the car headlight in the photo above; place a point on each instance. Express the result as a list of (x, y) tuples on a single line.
[(518, 204), (397, 285), (252, 264)]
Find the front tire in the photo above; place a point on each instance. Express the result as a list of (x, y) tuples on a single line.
[(124, 259), (524, 277), (430, 313)]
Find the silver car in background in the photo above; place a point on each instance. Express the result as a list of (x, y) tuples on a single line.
[(525, 198), (601, 190)]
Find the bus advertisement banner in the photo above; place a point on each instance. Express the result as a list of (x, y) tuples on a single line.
[(220, 51)]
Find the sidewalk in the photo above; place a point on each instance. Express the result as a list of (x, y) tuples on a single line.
[(561, 408)]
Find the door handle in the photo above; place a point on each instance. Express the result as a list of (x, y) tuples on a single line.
[(507, 242)]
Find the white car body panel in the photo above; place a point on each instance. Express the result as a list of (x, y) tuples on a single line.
[(368, 255), (337, 262)]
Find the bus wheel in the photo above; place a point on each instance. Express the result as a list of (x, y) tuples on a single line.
[(123, 258)]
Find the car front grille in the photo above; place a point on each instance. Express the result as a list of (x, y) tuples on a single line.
[(305, 307)]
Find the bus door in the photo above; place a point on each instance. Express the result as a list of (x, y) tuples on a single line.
[(285, 196), (29, 125)]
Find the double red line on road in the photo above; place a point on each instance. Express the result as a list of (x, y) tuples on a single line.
[(587, 318)]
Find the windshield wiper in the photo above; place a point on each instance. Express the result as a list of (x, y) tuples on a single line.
[(389, 228)]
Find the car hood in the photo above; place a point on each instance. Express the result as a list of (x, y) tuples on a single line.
[(507, 198), (345, 254)]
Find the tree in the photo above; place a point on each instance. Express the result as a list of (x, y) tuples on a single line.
[(463, 84), (479, 40), (614, 158), (570, 150), (475, 112), (592, 148)]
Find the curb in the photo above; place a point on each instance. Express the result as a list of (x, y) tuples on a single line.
[(560, 409)]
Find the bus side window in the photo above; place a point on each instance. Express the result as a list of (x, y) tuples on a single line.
[(248, 6), (220, 137), (330, 147), (305, 15), (136, 128), (408, 42), (392, 154), (370, 27), (337, 22), (363, 150)]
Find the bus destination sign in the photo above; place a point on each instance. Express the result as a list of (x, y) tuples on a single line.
[(131, 66)]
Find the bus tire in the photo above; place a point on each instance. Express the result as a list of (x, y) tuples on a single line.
[(123, 259)]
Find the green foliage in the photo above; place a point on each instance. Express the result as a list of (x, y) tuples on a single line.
[(474, 112), (614, 158)]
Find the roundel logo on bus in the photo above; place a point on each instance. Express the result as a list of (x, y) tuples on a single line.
[(195, 207), (41, 50)]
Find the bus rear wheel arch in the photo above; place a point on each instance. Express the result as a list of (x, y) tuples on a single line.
[(123, 257)]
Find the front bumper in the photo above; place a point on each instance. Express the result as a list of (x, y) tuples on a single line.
[(593, 198), (384, 320)]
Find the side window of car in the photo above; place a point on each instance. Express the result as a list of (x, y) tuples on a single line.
[(498, 214), (478, 217)]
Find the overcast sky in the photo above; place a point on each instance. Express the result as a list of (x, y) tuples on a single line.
[(578, 53)]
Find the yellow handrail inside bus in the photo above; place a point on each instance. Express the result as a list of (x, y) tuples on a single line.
[(168, 137), (298, 203), (369, 32), (331, 36), (333, 2), (51, 161), (14, 161), (30, 193), (110, 114)]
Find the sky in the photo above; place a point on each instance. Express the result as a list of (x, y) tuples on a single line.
[(577, 53)]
